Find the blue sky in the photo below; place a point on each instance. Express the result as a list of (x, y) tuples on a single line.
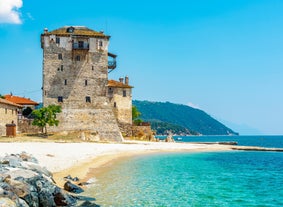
[(224, 57)]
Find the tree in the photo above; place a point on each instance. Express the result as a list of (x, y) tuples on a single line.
[(136, 115), (46, 115)]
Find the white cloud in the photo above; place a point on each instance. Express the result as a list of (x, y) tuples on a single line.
[(193, 105), (9, 11)]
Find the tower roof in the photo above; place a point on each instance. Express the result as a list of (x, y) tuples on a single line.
[(75, 31)]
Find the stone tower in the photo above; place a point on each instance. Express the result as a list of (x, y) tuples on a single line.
[(75, 76)]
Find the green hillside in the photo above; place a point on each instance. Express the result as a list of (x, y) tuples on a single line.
[(180, 119)]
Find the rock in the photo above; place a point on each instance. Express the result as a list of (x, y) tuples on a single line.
[(83, 183), (70, 187), (76, 179), (63, 199), (23, 203), (24, 173), (90, 204), (37, 168), (7, 202), (21, 189), (69, 177)]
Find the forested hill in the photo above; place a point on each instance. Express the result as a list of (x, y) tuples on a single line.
[(179, 119)]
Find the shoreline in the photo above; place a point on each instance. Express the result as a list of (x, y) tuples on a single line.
[(80, 159)]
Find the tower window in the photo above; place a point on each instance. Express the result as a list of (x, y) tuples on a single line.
[(92, 67), (60, 57), (78, 58), (62, 67), (115, 104), (85, 82), (124, 93), (65, 82), (81, 44), (60, 98), (100, 43), (87, 99), (57, 40)]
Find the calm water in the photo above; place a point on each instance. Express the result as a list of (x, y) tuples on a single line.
[(234, 178)]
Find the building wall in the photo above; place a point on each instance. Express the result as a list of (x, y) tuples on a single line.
[(121, 101), (8, 113), (74, 80)]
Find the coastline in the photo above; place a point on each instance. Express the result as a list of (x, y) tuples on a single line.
[(79, 159)]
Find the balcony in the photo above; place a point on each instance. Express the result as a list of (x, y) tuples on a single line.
[(112, 64), (80, 46)]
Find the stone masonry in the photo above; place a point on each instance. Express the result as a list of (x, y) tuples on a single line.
[(75, 76)]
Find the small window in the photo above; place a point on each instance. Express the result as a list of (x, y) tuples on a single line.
[(124, 93), (60, 57), (58, 69), (60, 98), (57, 40), (5, 111), (85, 82), (62, 67), (81, 44), (100, 43), (78, 58), (92, 67), (115, 104), (65, 82), (70, 29), (12, 111), (87, 99)]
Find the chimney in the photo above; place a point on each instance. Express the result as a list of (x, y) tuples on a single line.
[(127, 80), (45, 30), (121, 79)]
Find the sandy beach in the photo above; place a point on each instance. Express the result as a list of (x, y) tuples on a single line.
[(76, 159)]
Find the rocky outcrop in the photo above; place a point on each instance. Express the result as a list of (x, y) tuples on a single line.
[(24, 183)]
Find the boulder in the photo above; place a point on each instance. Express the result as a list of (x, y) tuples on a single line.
[(70, 187)]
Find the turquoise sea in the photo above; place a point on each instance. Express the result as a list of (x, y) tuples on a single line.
[(234, 178)]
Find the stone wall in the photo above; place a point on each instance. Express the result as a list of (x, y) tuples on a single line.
[(25, 126), (8, 113)]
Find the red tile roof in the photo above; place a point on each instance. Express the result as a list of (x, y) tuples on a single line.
[(20, 100), (117, 84), (4, 101)]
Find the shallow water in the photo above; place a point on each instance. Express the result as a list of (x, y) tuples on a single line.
[(234, 178)]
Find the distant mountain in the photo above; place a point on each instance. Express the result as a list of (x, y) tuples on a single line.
[(180, 119)]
